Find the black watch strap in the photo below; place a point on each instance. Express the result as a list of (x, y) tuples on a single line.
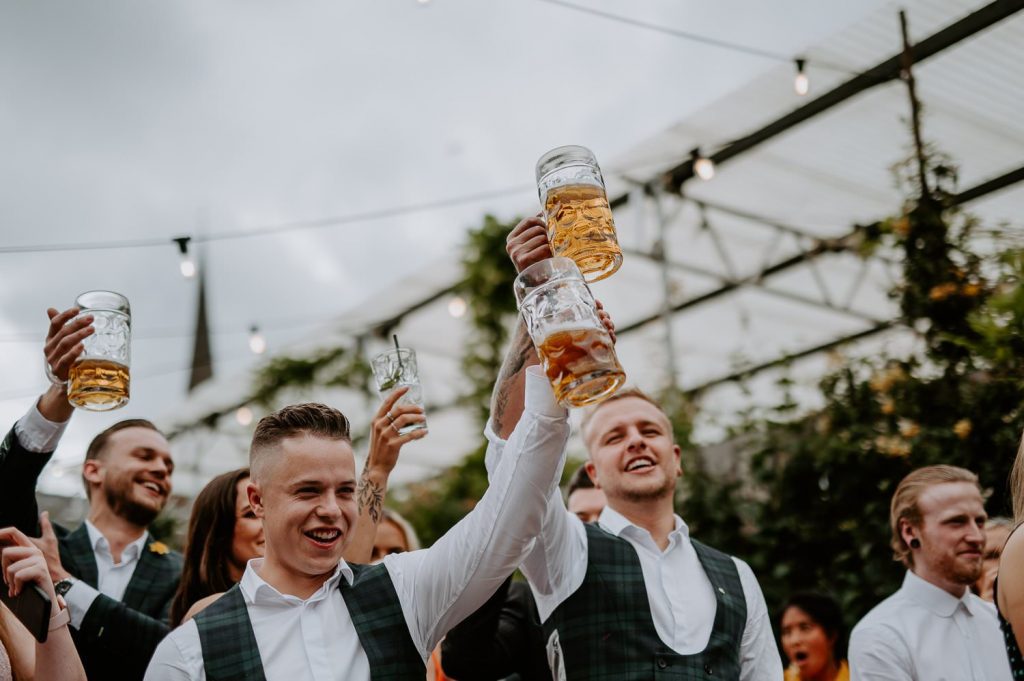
[(63, 586)]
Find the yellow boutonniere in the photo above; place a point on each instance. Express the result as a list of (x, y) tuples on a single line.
[(159, 548)]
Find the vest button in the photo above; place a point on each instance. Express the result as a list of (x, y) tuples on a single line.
[(662, 663), (708, 670)]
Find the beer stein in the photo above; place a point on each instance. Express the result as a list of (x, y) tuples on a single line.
[(580, 224), (397, 368), (575, 349), (98, 380)]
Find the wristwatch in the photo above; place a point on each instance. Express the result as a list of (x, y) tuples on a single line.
[(63, 586)]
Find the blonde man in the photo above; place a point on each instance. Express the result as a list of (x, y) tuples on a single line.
[(933, 627)]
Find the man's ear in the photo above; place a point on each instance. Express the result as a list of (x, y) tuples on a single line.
[(678, 452), (92, 471), (592, 473), (908, 531), (255, 495)]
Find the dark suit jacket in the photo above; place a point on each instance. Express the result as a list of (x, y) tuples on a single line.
[(502, 639), (117, 638)]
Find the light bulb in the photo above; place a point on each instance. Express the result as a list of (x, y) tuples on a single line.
[(243, 416), (704, 167), (801, 83), (257, 343), (188, 263), (188, 267), (457, 307)]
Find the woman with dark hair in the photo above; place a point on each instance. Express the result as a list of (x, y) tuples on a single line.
[(813, 638), (223, 535), (1009, 585)]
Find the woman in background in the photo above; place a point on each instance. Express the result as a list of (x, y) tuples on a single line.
[(223, 535), (1009, 586), (814, 638)]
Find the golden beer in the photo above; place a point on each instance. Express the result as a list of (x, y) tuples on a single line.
[(580, 227), (581, 365), (98, 384)]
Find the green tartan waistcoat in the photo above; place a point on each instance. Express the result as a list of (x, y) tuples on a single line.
[(604, 630), (229, 645)]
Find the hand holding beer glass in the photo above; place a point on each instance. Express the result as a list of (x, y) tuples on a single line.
[(580, 224), (575, 348), (99, 377)]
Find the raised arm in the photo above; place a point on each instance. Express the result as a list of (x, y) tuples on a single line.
[(442, 585), (31, 442), (385, 443)]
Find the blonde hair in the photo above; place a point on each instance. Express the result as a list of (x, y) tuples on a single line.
[(411, 540), (1017, 484), (904, 502)]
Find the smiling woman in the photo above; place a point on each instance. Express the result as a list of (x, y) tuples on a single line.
[(223, 535)]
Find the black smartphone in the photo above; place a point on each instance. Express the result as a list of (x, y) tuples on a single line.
[(31, 607)]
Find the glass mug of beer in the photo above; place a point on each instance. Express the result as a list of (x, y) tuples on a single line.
[(580, 224), (98, 380), (574, 347), (395, 369)]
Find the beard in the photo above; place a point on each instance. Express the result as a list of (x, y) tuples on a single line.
[(119, 498), (961, 572)]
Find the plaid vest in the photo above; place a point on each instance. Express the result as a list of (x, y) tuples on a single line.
[(604, 630), (230, 652)]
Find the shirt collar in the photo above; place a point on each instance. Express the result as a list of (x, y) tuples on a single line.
[(935, 599), (255, 588), (616, 523), (99, 543)]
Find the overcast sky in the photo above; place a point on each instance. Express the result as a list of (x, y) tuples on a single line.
[(128, 120)]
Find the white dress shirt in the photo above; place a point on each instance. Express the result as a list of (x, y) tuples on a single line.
[(437, 588), (37, 434), (924, 633), (682, 599)]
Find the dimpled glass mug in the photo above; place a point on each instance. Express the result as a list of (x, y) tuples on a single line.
[(580, 224), (575, 349), (99, 379)]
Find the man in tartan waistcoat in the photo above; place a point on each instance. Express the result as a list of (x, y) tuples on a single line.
[(301, 612), (117, 581), (631, 596)]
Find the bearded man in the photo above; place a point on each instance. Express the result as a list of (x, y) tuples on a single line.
[(116, 579), (933, 627)]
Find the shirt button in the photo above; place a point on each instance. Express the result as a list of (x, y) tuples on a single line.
[(708, 670), (662, 663)]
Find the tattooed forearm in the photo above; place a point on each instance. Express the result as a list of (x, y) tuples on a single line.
[(508, 387), (370, 496)]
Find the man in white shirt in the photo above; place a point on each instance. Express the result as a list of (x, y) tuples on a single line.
[(302, 612), (117, 581), (933, 628), (632, 596)]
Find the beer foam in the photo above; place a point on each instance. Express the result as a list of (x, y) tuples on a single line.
[(577, 325)]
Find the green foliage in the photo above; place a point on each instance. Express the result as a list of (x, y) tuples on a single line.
[(487, 286), (813, 510), (338, 366)]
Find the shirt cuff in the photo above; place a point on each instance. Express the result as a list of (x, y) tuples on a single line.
[(540, 399), (36, 433), (79, 599)]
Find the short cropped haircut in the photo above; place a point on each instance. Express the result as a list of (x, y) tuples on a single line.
[(588, 415), (579, 480), (908, 493), (99, 443), (310, 418)]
